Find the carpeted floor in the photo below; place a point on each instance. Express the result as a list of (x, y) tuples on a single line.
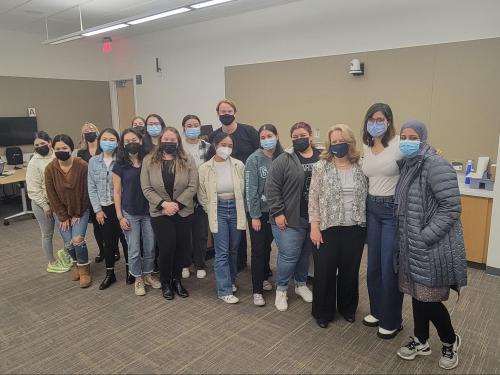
[(49, 325)]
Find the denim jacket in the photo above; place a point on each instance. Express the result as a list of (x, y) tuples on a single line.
[(100, 182)]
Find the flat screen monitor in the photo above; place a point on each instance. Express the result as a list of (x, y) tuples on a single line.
[(17, 131)]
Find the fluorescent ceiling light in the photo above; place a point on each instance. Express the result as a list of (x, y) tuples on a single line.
[(159, 15), (208, 3), (66, 39), (106, 29)]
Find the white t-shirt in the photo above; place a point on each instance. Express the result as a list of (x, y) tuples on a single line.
[(381, 169), (225, 186)]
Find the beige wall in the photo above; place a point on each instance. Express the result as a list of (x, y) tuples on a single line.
[(62, 105), (454, 88)]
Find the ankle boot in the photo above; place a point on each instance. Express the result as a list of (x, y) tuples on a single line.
[(108, 280), (85, 278), (130, 279), (167, 291), (179, 289), (75, 274)]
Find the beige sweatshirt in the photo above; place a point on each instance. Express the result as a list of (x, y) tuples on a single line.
[(35, 179)]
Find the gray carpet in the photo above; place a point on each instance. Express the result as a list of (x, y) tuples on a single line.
[(49, 325)]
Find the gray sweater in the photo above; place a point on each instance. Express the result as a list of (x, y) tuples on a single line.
[(430, 238), (285, 181), (256, 170)]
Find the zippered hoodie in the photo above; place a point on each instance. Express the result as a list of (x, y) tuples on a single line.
[(256, 170), (35, 180)]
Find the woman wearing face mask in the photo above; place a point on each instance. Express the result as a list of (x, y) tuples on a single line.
[(381, 153), (154, 127), (337, 202), (287, 193), (197, 148), (35, 183), (139, 124), (261, 236), (100, 186), (430, 244), (66, 183), (221, 195), (169, 181), (89, 147), (132, 210)]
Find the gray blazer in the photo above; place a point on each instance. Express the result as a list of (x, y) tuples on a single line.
[(185, 186)]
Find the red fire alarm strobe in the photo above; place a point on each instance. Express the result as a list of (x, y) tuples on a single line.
[(107, 45)]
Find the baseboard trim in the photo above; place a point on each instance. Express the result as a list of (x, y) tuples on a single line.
[(493, 271)]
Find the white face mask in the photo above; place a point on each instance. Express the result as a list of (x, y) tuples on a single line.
[(224, 152)]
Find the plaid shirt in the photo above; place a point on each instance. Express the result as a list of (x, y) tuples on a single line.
[(198, 152)]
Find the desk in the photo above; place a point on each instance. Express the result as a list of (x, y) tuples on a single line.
[(19, 177)]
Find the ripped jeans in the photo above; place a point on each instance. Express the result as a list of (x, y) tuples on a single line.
[(74, 239)]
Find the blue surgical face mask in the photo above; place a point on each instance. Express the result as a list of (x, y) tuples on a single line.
[(376, 129), (268, 143), (193, 133), (409, 148), (154, 130), (108, 146)]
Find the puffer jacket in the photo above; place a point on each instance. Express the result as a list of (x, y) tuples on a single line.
[(430, 237)]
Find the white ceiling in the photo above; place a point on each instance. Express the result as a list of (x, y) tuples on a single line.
[(63, 16)]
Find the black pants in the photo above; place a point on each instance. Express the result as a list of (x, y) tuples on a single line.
[(111, 233), (199, 238), (173, 234), (261, 251), (99, 239), (242, 251), (435, 312), (336, 272)]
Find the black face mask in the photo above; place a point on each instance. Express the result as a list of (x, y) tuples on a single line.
[(90, 137), (133, 148), (140, 129), (168, 147), (63, 155), (339, 150), (42, 150), (226, 119), (300, 144)]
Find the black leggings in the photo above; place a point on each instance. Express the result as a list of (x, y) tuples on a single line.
[(435, 312), (111, 233), (261, 251)]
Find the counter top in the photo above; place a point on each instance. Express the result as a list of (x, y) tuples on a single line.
[(481, 193)]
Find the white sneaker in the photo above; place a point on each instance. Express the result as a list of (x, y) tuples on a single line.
[(267, 286), (258, 299), (185, 273), (414, 348), (152, 281), (201, 274), (139, 288), (235, 289), (449, 354), (370, 321), (281, 300), (229, 299), (304, 292)]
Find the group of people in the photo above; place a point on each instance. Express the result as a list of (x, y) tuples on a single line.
[(159, 191)]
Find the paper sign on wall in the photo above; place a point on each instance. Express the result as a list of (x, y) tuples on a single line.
[(31, 112)]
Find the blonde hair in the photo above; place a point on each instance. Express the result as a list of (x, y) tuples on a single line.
[(86, 126), (353, 154), (180, 157), (228, 102)]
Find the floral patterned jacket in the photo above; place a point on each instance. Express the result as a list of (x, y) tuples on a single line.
[(326, 201)]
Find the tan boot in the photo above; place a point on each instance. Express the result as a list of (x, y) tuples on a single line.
[(85, 278), (75, 275)]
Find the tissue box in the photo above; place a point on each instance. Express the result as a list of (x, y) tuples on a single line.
[(482, 183)]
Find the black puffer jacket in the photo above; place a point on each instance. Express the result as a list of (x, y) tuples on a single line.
[(430, 237)]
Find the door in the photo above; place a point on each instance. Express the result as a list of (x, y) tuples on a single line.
[(126, 103)]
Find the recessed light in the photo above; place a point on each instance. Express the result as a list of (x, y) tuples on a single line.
[(106, 29), (159, 15), (209, 3)]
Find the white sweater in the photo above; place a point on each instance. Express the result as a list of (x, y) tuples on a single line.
[(35, 179)]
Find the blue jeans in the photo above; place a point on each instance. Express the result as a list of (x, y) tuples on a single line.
[(294, 249), (385, 298), (77, 250), (226, 242), (140, 225)]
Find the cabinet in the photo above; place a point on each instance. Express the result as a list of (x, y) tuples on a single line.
[(476, 220)]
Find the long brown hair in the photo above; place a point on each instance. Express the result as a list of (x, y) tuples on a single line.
[(390, 132), (180, 156)]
